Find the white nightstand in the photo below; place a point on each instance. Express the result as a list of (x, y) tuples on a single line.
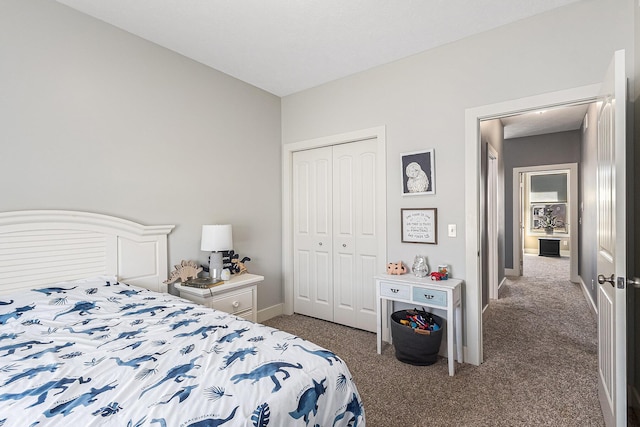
[(238, 296)]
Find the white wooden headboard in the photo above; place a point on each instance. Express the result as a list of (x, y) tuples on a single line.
[(39, 247)]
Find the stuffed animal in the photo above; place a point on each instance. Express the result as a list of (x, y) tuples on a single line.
[(238, 265), (396, 268)]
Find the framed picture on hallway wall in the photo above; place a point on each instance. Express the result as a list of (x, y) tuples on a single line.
[(418, 173)]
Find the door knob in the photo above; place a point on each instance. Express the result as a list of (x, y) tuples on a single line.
[(602, 279)]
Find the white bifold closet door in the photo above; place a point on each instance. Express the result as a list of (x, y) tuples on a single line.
[(335, 236)]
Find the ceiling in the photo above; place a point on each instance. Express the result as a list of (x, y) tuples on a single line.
[(544, 121), (286, 46)]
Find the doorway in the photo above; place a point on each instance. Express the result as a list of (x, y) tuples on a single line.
[(473, 248), (525, 214)]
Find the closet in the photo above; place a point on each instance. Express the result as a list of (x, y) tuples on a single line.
[(335, 237)]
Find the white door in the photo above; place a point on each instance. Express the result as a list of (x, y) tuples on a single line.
[(312, 232), (355, 238), (521, 225), (335, 233), (612, 319), (492, 221)]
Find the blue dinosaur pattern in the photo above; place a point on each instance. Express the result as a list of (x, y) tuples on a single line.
[(269, 370), (308, 402), (53, 290), (99, 351), (327, 355), (81, 307), (15, 314)]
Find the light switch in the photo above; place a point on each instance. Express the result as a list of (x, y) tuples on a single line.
[(452, 230)]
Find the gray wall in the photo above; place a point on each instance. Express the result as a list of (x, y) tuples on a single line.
[(96, 119), (422, 101), (549, 149)]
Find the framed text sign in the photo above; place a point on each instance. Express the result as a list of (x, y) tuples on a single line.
[(419, 225)]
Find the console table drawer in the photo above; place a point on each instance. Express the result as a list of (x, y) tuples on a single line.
[(430, 296), (395, 290)]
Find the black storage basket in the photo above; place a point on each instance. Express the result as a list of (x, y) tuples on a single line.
[(411, 347)]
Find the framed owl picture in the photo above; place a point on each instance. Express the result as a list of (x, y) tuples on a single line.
[(418, 173)]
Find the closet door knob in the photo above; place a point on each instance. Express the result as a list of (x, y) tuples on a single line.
[(320, 243), (344, 245)]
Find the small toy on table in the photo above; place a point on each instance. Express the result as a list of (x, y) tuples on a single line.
[(396, 268), (436, 275)]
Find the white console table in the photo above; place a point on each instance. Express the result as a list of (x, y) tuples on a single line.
[(421, 292)]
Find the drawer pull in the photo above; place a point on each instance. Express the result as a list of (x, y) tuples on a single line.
[(427, 296), (395, 291), (235, 304)]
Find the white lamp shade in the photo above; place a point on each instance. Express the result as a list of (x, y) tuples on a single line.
[(216, 238)]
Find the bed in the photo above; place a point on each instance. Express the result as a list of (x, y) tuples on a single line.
[(89, 335)]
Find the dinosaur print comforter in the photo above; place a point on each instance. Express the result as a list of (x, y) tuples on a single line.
[(99, 352)]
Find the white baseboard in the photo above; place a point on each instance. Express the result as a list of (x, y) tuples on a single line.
[(510, 272), (270, 312), (533, 251), (588, 297), (504, 279)]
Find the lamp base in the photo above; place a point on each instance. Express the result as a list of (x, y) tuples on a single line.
[(215, 265)]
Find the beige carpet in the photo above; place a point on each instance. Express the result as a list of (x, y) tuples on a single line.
[(540, 362)]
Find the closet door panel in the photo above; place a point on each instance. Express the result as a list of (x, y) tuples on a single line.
[(365, 236), (312, 233), (354, 222), (344, 277), (344, 234), (366, 306)]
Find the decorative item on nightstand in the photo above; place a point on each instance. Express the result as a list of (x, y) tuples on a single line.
[(216, 238), (184, 271)]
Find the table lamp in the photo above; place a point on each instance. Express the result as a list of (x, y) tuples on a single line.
[(216, 238)]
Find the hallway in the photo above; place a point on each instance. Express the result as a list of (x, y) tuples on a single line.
[(542, 326)]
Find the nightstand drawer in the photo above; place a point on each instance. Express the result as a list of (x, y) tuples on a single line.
[(235, 303), (430, 296), (395, 290)]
